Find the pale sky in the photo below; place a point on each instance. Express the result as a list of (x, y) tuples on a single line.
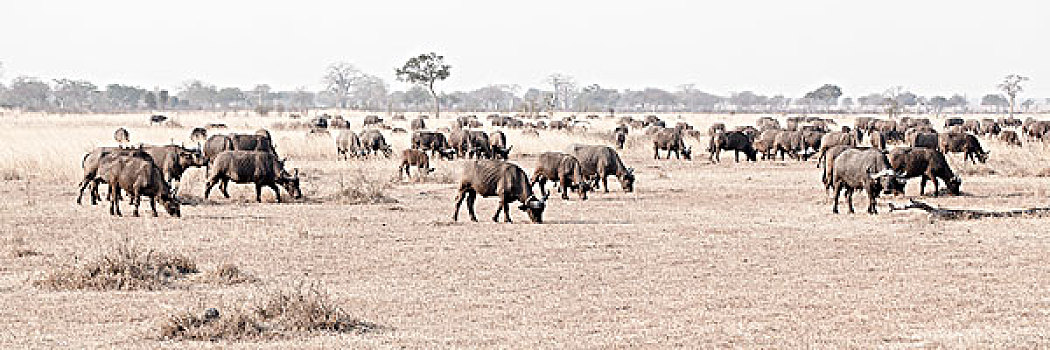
[(770, 47)]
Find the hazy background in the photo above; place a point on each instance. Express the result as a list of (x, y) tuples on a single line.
[(770, 47)]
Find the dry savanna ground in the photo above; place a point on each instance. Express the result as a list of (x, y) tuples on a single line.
[(701, 254)]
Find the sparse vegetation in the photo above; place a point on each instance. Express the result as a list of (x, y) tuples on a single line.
[(298, 310), (362, 187), (123, 267), (228, 274)]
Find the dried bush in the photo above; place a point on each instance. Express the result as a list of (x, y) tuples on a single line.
[(289, 312), (125, 267)]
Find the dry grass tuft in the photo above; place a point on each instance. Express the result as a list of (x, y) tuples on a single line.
[(229, 274), (284, 313), (362, 188), (24, 253), (123, 268)]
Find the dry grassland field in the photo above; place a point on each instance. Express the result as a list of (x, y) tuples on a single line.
[(731, 254)]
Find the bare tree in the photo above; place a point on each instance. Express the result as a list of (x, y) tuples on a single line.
[(425, 70), (1011, 85), (339, 80), (891, 100), (564, 89)]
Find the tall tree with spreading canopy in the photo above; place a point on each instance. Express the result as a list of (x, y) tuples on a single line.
[(425, 70), (828, 94), (1011, 85)]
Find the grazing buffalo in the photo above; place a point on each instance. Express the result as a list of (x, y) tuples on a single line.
[(498, 144), (507, 181), (417, 124), (564, 170), (1010, 138), (173, 161), (833, 139), (199, 135), (348, 144), (157, 119), (972, 126), (459, 139), (990, 128), (122, 136), (928, 163), (868, 170), (950, 122), (1035, 129), (373, 142), (766, 143), (966, 144), (829, 163), (414, 158), (138, 177), (258, 167), (716, 128), (924, 139), (621, 138), (671, 140), (372, 120), (876, 140), (788, 142), (601, 161), (92, 162), (435, 142), (478, 144), (735, 141)]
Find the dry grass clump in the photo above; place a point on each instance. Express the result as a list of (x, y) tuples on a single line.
[(229, 274), (123, 268), (283, 313), (362, 187)]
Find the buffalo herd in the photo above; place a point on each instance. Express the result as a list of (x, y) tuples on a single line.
[(854, 158)]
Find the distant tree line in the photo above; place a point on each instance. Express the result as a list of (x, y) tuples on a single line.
[(348, 87)]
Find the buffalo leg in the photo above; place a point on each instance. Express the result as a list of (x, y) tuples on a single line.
[(871, 202), (542, 181), (564, 189), (276, 192), (849, 200), (83, 185), (506, 210), (153, 205), (471, 196), (838, 191), (258, 192), (502, 202), (605, 182), (459, 201), (136, 200), (114, 195), (922, 186), (936, 186), (112, 205), (656, 152), (207, 188), (225, 184)]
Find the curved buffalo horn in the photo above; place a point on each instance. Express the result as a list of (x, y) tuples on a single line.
[(886, 172)]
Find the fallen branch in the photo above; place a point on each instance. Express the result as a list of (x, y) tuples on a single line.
[(968, 214)]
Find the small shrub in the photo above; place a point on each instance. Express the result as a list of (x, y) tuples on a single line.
[(289, 312), (123, 268)]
